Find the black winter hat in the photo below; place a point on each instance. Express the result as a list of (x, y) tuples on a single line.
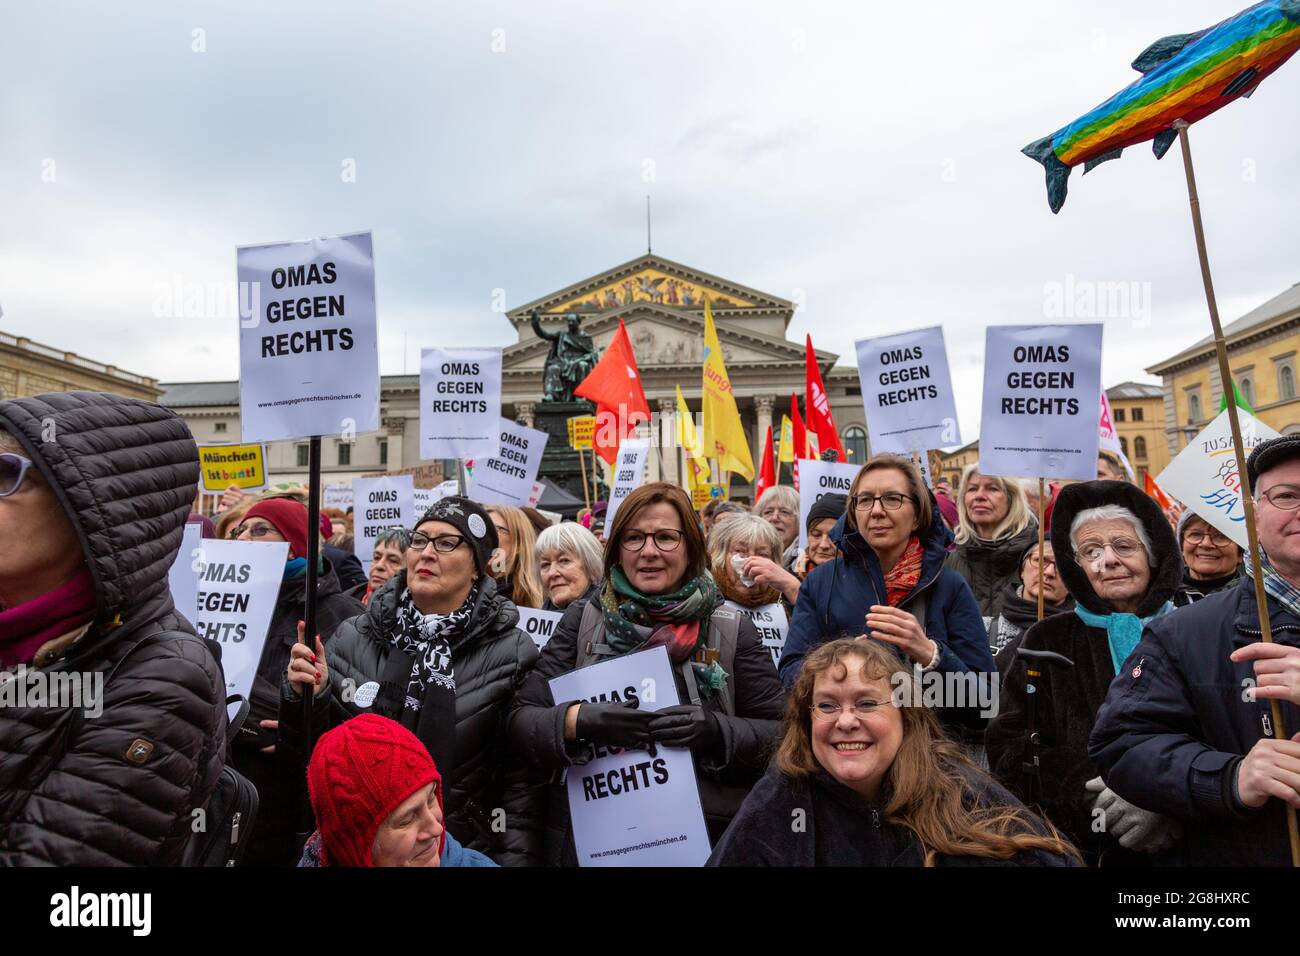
[(1269, 454), (827, 506), (469, 518)]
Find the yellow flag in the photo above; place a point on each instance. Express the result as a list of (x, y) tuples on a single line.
[(785, 451), (723, 432), (689, 439)]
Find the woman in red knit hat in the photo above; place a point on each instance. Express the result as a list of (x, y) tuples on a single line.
[(377, 797)]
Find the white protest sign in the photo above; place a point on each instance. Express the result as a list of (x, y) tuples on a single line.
[(539, 625), (907, 392), (629, 472), (337, 496), (239, 582), (817, 478), (425, 497), (772, 625), (1204, 475), (460, 403), (628, 808), (507, 478), (1041, 384), (381, 503), (183, 577), (308, 349)]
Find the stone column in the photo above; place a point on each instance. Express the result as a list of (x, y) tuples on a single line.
[(395, 429), (669, 459), (763, 405), (524, 413)]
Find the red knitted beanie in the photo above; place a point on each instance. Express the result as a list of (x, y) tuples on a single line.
[(289, 518), (359, 773)]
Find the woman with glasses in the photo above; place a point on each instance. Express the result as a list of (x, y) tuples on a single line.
[(1020, 602), (888, 581), (438, 651), (873, 783), (657, 591), (779, 507), (1211, 560), (1117, 555), (389, 557), (994, 526)]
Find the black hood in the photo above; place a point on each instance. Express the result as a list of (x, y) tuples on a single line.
[(1167, 572), (126, 472)]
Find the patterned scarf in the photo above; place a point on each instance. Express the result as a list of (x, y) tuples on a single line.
[(636, 621), (427, 639), (902, 577), (1276, 586)]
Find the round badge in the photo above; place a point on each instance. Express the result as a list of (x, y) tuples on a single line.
[(366, 693), (476, 526)]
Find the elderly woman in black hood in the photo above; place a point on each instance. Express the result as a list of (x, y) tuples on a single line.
[(1117, 555)]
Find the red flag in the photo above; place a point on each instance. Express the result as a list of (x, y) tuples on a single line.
[(1155, 491), (615, 386), (767, 473), (820, 421), (800, 439)]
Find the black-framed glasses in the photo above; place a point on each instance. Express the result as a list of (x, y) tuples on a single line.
[(890, 501), (665, 539), (442, 543), (13, 469), (1282, 497)]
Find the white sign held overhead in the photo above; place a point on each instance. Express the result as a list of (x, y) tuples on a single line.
[(538, 625), (460, 403), (1041, 384), (628, 808), (381, 503), (1204, 475), (628, 474), (907, 392), (308, 349), (818, 478), (337, 496), (507, 478)]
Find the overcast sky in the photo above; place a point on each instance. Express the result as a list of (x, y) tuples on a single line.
[(861, 158)]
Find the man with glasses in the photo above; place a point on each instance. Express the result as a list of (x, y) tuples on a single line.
[(1211, 560), (1186, 728)]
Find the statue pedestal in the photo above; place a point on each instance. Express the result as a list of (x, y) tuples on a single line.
[(560, 463)]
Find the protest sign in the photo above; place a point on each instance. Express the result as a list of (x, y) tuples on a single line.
[(1041, 384), (240, 465), (183, 577), (772, 625), (628, 808), (1108, 438), (582, 429), (1204, 475), (238, 585), (907, 392), (308, 349), (535, 495), (629, 472), (701, 495), (337, 496), (817, 478), (539, 625), (507, 478), (460, 403), (381, 504)]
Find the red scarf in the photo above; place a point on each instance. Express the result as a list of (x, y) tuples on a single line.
[(28, 626), (902, 577)]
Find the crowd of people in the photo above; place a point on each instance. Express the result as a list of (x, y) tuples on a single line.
[(1142, 737)]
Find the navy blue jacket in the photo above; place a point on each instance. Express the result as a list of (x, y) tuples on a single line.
[(1175, 726), (835, 596)]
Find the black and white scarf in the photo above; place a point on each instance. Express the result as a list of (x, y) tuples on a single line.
[(426, 638)]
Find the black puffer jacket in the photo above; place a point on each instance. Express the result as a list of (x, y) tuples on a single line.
[(989, 566), (125, 472), (490, 661)]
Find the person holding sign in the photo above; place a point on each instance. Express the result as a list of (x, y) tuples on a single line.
[(1117, 556), (994, 528), (657, 591), (512, 564), (439, 651), (1211, 560), (568, 563), (860, 779)]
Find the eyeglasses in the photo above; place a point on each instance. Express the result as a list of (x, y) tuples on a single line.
[(665, 540), (1047, 562), (1282, 497), (1120, 547), (829, 710), (442, 543), (890, 501), (13, 469), (769, 513), (254, 531), (1214, 538)]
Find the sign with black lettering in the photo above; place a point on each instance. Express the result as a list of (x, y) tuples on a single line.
[(772, 624), (628, 808), (507, 478), (539, 625), (380, 504), (460, 403), (308, 350), (1041, 384), (629, 472), (817, 478), (243, 466), (907, 392)]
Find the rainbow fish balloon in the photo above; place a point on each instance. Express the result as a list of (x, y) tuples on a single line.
[(1187, 76)]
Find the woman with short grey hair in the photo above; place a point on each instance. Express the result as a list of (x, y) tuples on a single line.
[(569, 563), (779, 507), (747, 547)]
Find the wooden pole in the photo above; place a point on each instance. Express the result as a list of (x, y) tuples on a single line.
[(582, 469), (1247, 493), (1041, 535)]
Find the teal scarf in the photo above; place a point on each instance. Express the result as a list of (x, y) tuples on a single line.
[(297, 567), (1123, 631)]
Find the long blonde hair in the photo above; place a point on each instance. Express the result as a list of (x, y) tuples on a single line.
[(520, 569), (1018, 515)]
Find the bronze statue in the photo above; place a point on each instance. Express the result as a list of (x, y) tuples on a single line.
[(571, 359)]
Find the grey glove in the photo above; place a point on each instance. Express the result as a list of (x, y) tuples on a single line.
[(1144, 831)]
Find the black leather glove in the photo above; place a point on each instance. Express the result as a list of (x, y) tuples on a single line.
[(617, 724), (687, 725)]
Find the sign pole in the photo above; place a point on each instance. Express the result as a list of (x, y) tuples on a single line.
[(1040, 548), (582, 470), (309, 615), (1247, 493), (460, 477)]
